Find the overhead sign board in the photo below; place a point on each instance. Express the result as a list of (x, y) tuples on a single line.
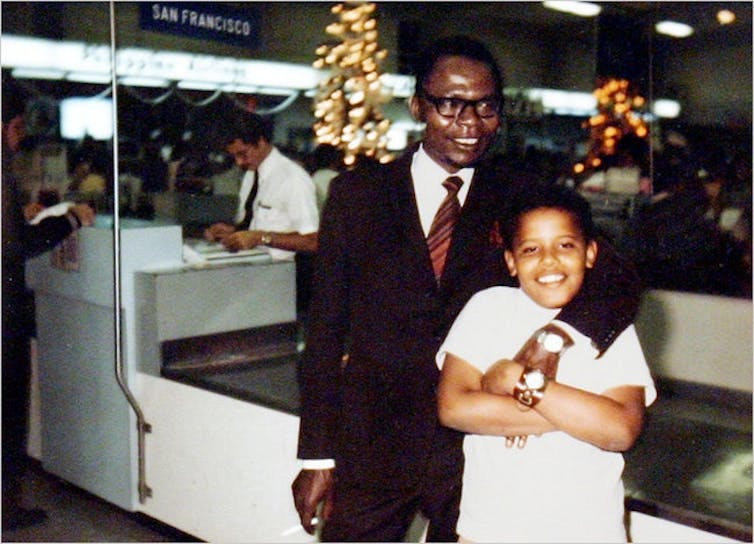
[(202, 20)]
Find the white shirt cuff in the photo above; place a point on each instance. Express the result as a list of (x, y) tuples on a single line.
[(318, 464)]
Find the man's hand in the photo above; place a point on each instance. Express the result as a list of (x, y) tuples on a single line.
[(310, 488), (218, 232), (84, 213), (242, 239), (534, 355), (32, 209)]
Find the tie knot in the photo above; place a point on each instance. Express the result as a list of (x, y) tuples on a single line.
[(452, 184)]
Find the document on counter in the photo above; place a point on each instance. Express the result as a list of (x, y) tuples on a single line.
[(209, 251)]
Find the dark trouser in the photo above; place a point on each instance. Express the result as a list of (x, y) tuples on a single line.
[(374, 515), (16, 373)]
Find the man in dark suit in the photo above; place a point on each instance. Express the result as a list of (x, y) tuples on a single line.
[(374, 453), (21, 241)]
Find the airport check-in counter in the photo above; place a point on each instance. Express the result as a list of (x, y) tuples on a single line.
[(218, 344)]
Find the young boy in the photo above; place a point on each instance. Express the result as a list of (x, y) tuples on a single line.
[(564, 484)]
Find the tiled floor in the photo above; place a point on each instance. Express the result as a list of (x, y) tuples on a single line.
[(73, 515)]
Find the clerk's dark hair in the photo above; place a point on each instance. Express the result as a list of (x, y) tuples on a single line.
[(540, 195), (247, 127), (462, 46)]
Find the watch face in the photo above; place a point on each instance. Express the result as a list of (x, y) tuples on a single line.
[(552, 342), (534, 379)]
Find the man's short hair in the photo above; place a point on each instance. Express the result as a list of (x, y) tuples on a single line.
[(546, 195), (14, 99), (247, 127), (462, 46)]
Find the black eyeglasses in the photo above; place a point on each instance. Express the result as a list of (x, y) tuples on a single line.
[(452, 107)]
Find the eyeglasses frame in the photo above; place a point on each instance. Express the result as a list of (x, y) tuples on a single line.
[(435, 101)]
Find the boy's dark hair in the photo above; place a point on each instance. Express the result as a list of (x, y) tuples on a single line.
[(540, 195), (462, 46), (247, 127)]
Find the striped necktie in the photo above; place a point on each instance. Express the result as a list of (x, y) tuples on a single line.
[(249, 204), (441, 231)]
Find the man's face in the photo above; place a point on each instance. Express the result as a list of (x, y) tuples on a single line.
[(460, 141), (14, 132), (247, 156)]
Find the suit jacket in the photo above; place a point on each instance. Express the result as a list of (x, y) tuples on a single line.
[(375, 299), (21, 241)]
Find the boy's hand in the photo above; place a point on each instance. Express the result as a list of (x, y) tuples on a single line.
[(501, 377)]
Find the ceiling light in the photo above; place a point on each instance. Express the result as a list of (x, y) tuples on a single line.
[(674, 29), (88, 77), (666, 108), (37, 73), (197, 85), (138, 81), (725, 16), (582, 9), (563, 102)]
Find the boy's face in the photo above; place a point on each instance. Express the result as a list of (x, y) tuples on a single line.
[(549, 256)]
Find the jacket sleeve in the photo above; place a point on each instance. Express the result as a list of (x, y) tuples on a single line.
[(326, 343), (22, 240), (36, 239), (608, 301)]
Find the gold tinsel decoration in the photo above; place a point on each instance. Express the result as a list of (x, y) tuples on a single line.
[(619, 113), (347, 103)]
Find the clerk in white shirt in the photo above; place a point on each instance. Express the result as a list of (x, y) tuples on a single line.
[(277, 207)]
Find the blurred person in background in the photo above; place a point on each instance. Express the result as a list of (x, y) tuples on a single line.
[(21, 240)]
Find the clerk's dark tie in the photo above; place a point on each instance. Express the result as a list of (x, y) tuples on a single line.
[(441, 231), (249, 204)]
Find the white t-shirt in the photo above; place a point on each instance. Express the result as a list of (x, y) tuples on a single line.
[(556, 488), (285, 201)]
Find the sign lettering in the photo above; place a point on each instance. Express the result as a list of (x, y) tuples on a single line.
[(203, 20)]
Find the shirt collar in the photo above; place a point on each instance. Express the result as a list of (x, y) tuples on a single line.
[(431, 170), (267, 163)]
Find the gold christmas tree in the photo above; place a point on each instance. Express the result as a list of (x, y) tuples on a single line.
[(347, 103), (619, 109)]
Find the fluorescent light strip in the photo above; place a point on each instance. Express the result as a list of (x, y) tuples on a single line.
[(563, 102), (37, 73), (582, 9), (674, 29), (198, 85), (666, 108), (88, 77), (248, 77), (133, 81)]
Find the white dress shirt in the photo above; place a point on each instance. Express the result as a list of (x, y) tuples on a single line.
[(286, 200), (428, 176)]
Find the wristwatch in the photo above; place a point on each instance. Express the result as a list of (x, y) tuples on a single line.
[(266, 238), (553, 339), (530, 387)]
